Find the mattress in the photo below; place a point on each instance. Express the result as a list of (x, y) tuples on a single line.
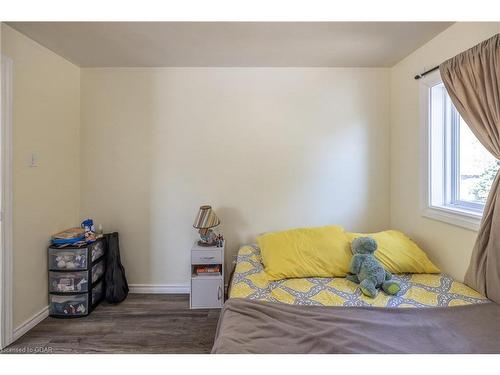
[(417, 290), (250, 326)]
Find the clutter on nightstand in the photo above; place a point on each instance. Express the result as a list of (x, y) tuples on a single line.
[(212, 270), (205, 220), (219, 240)]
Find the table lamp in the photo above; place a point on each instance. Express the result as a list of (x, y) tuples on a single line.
[(205, 220)]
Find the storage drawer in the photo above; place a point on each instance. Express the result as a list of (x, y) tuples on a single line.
[(67, 259), (96, 249), (68, 281), (97, 293), (207, 293), (97, 271), (206, 257), (69, 305)]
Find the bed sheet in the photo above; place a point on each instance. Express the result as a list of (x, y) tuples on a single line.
[(417, 290)]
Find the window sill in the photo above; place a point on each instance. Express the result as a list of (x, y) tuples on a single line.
[(461, 218)]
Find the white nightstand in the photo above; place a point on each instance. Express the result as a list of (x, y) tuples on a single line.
[(207, 291)]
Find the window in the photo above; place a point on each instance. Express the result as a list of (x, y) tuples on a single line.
[(459, 169)]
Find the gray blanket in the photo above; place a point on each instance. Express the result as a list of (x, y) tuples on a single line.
[(247, 326)]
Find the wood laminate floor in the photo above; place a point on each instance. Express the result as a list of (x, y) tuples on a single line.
[(143, 323)]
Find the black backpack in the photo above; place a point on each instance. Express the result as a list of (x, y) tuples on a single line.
[(116, 282)]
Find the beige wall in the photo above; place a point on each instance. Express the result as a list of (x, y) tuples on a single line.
[(450, 246), (269, 148), (46, 118)]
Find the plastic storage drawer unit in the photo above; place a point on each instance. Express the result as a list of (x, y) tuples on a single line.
[(97, 293), (75, 258), (67, 259), (76, 279), (68, 281), (69, 305), (98, 270)]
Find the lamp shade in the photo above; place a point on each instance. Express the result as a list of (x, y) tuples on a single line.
[(206, 218)]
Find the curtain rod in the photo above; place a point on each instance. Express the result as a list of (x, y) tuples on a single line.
[(418, 76)]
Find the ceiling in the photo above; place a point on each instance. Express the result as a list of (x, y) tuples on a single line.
[(281, 44)]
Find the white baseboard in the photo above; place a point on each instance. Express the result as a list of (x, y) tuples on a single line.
[(160, 289), (30, 323)]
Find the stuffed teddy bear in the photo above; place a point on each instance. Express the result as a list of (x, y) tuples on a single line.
[(366, 270)]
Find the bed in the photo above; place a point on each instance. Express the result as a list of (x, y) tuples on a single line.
[(432, 314)]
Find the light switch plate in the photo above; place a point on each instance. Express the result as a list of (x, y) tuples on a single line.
[(33, 160)]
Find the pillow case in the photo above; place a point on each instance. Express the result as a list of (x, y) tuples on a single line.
[(398, 253), (306, 252)]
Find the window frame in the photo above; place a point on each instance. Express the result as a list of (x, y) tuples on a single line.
[(453, 210), (455, 200)]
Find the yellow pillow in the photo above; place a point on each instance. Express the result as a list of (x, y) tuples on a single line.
[(306, 252), (398, 253)]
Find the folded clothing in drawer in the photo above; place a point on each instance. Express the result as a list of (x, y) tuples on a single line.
[(75, 258), (68, 281), (67, 259), (69, 305)]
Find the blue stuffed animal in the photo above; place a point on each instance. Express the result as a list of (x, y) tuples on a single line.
[(367, 271)]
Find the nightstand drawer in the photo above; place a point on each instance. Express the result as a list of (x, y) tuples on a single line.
[(206, 257)]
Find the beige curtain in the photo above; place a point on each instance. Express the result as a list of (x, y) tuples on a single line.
[(472, 80)]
